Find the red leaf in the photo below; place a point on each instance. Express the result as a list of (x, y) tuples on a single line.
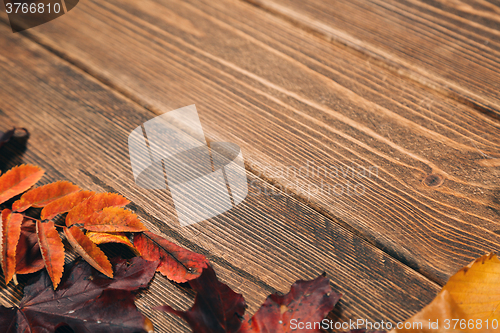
[(307, 302), (28, 256), (114, 219), (64, 204), (17, 180), (10, 231), (86, 301), (216, 309), (176, 263), (83, 211), (44, 195), (88, 250), (52, 249)]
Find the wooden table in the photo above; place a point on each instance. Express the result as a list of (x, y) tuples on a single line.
[(397, 99)]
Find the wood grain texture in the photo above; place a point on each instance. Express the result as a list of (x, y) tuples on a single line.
[(420, 189), (451, 46), (79, 131)]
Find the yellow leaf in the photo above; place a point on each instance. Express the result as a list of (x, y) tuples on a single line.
[(469, 302)]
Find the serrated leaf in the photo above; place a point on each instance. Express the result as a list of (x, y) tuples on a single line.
[(307, 302), (17, 180), (114, 219), (28, 256), (52, 249), (10, 231), (64, 204), (176, 263), (88, 250), (44, 195), (216, 307), (86, 301), (106, 237), (84, 211)]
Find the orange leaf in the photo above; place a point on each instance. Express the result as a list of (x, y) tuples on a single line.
[(64, 204), (17, 180), (28, 255), (83, 211), (114, 219), (10, 231), (44, 195), (52, 249), (88, 250), (176, 263), (106, 237)]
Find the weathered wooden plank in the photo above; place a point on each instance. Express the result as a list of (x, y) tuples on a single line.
[(449, 46), (79, 131), (398, 164)]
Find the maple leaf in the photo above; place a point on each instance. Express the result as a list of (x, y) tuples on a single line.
[(10, 229), (43, 195), (307, 302), (64, 204), (84, 210), (17, 180), (216, 309), (28, 256), (88, 250), (86, 301), (469, 296), (52, 249), (176, 263), (114, 219)]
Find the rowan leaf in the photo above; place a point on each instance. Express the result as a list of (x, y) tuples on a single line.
[(64, 204), (28, 256), (88, 250), (114, 219), (472, 294), (10, 231), (216, 309), (176, 263), (86, 301), (307, 302), (52, 249), (106, 237), (44, 195), (84, 210), (17, 180)]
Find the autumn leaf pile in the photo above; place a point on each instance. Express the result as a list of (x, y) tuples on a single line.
[(97, 294)]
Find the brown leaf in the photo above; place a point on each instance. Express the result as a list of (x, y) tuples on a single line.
[(307, 302), (43, 195), (17, 180), (64, 204), (52, 249), (28, 256), (88, 250), (10, 231), (106, 237), (114, 219), (216, 309), (470, 296), (82, 212), (86, 301), (176, 263)]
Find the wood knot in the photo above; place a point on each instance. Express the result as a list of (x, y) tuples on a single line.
[(433, 180)]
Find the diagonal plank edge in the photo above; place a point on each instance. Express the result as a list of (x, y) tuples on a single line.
[(429, 184), (79, 130), (386, 33)]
